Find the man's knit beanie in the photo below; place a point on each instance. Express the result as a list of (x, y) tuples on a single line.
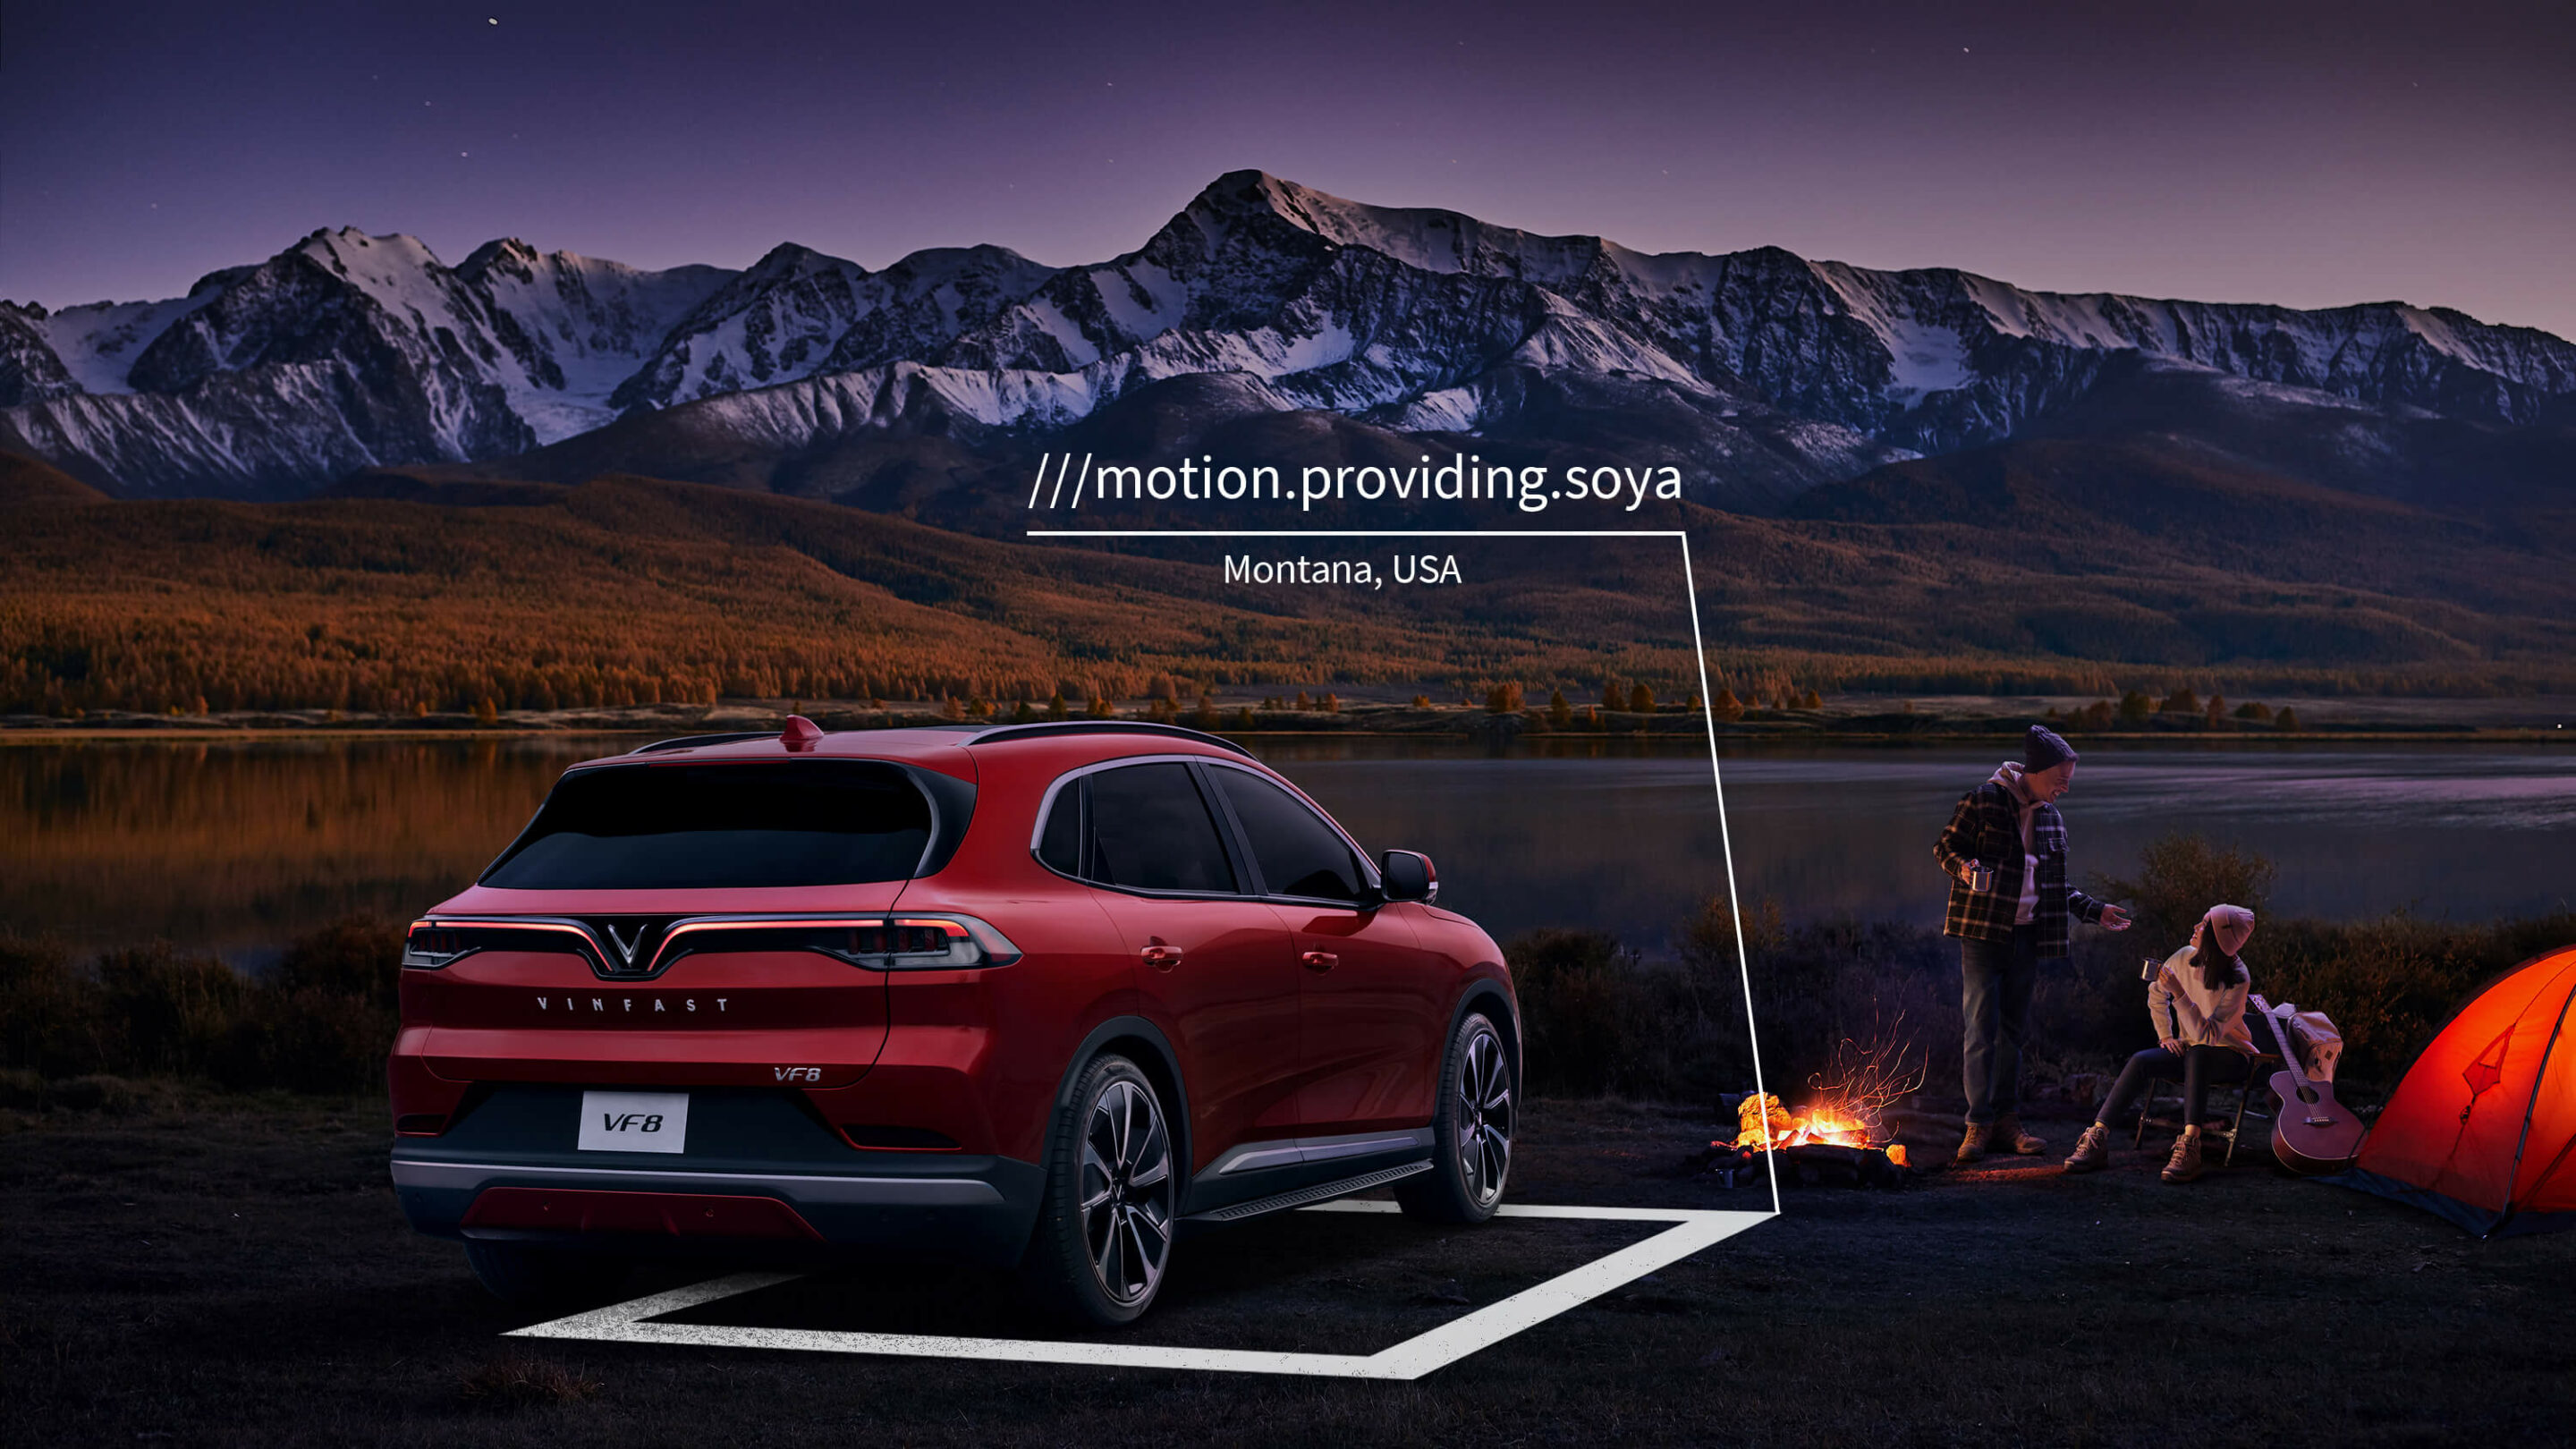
[(2044, 750)]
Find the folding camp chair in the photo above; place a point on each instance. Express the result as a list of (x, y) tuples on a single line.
[(2258, 1078)]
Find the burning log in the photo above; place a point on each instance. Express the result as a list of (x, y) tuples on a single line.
[(1763, 1125), (1839, 1138), (1824, 1164)]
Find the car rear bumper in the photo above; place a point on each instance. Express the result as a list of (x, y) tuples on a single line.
[(979, 1209), (758, 1175)]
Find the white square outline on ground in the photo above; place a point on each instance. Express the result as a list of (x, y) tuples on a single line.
[(1425, 1353)]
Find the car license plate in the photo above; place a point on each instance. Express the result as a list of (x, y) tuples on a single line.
[(634, 1121)]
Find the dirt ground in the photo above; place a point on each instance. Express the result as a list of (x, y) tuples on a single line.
[(234, 1271)]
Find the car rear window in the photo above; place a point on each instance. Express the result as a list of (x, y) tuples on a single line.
[(678, 827)]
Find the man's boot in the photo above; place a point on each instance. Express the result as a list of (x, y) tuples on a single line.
[(2007, 1133), (2093, 1153), (2184, 1165), (1972, 1148)]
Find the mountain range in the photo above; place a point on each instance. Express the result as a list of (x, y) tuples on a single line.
[(1264, 314)]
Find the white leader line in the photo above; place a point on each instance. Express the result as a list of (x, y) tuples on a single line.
[(1423, 1354)]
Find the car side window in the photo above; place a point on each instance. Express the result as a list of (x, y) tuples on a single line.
[(1298, 853), (1060, 843), (1151, 830)]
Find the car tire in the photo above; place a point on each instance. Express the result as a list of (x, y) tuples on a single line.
[(1104, 1233), (1471, 1153), (530, 1277)]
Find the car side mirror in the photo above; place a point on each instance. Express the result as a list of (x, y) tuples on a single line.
[(1406, 875)]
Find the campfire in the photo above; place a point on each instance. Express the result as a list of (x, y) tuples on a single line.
[(1767, 1127), (1839, 1134)]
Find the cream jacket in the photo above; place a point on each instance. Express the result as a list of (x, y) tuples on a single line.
[(2183, 1009)]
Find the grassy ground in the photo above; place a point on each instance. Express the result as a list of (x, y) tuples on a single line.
[(234, 1270)]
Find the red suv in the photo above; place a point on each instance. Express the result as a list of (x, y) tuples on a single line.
[(1030, 994)]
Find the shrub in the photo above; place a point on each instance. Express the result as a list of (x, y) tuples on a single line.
[(2180, 876), (357, 956), (49, 1019), (307, 1041), (2391, 983), (322, 1021), (164, 1014), (1598, 1018), (1578, 1004)]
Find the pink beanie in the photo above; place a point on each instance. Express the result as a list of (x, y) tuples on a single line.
[(2232, 926)]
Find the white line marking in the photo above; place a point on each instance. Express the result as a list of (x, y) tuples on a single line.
[(1039, 481), (1414, 1358), (1422, 1354)]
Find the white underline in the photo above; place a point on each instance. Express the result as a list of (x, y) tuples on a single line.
[(1356, 533)]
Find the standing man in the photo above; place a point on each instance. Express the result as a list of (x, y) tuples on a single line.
[(2005, 854)]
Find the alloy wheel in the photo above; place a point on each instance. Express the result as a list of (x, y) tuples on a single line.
[(1127, 1192), (1484, 1117)]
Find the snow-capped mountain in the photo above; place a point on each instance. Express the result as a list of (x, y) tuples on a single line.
[(342, 351), (576, 327), (1759, 372), (797, 312), (347, 351)]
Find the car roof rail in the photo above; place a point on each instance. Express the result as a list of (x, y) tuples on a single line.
[(1046, 729), (690, 742)]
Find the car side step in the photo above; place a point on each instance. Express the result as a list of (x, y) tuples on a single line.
[(1320, 1192)]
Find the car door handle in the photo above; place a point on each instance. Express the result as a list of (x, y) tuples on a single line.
[(1162, 957), (1320, 960)]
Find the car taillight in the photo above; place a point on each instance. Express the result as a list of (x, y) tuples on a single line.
[(429, 947), (925, 943)]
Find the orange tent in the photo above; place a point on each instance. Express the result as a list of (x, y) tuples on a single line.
[(2482, 1129)]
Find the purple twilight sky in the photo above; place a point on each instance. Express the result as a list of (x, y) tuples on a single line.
[(2309, 154)]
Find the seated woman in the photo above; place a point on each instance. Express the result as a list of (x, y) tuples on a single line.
[(2197, 1002)]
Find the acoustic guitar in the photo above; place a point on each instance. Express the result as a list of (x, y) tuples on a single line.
[(2312, 1133)]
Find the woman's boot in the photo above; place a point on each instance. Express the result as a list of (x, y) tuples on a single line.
[(2184, 1165), (2093, 1153)]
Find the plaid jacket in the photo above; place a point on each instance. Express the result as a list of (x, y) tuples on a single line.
[(1984, 827)]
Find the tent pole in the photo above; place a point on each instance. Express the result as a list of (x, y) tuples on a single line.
[(2540, 1077)]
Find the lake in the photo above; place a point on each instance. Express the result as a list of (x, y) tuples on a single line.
[(239, 846)]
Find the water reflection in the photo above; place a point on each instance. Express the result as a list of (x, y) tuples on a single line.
[(2468, 832), (239, 846)]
